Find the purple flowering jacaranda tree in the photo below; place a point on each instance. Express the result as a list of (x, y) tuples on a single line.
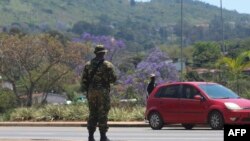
[(156, 62), (110, 43)]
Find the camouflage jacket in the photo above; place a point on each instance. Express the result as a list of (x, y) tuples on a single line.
[(102, 77)]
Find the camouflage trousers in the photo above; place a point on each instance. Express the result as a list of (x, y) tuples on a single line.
[(99, 106)]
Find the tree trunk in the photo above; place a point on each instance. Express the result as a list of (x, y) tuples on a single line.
[(16, 93), (44, 100), (30, 95)]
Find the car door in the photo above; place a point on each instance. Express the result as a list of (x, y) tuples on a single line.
[(192, 110), (169, 102)]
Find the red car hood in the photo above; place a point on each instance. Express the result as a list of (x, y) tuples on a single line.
[(244, 103)]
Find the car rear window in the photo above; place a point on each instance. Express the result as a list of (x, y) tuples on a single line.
[(171, 91)]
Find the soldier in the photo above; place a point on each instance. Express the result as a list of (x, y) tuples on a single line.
[(97, 76)]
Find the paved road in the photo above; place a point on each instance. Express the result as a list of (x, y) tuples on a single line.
[(115, 133)]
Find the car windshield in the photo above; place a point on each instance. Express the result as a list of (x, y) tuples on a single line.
[(217, 91)]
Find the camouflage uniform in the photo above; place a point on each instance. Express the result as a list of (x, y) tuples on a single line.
[(98, 89)]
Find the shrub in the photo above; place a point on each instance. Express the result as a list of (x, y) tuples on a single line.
[(246, 94), (7, 100), (78, 111), (74, 112), (135, 113), (72, 91), (241, 87), (22, 114)]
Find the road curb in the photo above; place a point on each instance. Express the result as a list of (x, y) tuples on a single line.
[(73, 124)]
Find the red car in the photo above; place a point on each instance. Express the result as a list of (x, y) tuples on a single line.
[(191, 103)]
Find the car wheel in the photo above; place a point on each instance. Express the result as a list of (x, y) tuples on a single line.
[(216, 120), (188, 126), (155, 121)]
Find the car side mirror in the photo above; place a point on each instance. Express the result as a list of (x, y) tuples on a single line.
[(198, 97)]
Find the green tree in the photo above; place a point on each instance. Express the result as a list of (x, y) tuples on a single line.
[(27, 60), (236, 46), (205, 54), (174, 53), (235, 66), (193, 76)]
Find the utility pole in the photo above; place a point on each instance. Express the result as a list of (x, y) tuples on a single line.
[(222, 28), (181, 57)]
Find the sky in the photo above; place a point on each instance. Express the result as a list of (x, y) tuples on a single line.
[(242, 6)]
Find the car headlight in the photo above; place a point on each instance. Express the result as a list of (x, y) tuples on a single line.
[(232, 106)]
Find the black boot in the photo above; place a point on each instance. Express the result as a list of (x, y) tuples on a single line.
[(104, 137), (91, 136)]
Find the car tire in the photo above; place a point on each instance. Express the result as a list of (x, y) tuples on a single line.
[(155, 121), (188, 126), (216, 120)]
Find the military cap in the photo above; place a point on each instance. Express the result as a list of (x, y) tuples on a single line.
[(99, 49)]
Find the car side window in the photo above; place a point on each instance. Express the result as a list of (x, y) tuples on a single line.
[(188, 92), (171, 91)]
